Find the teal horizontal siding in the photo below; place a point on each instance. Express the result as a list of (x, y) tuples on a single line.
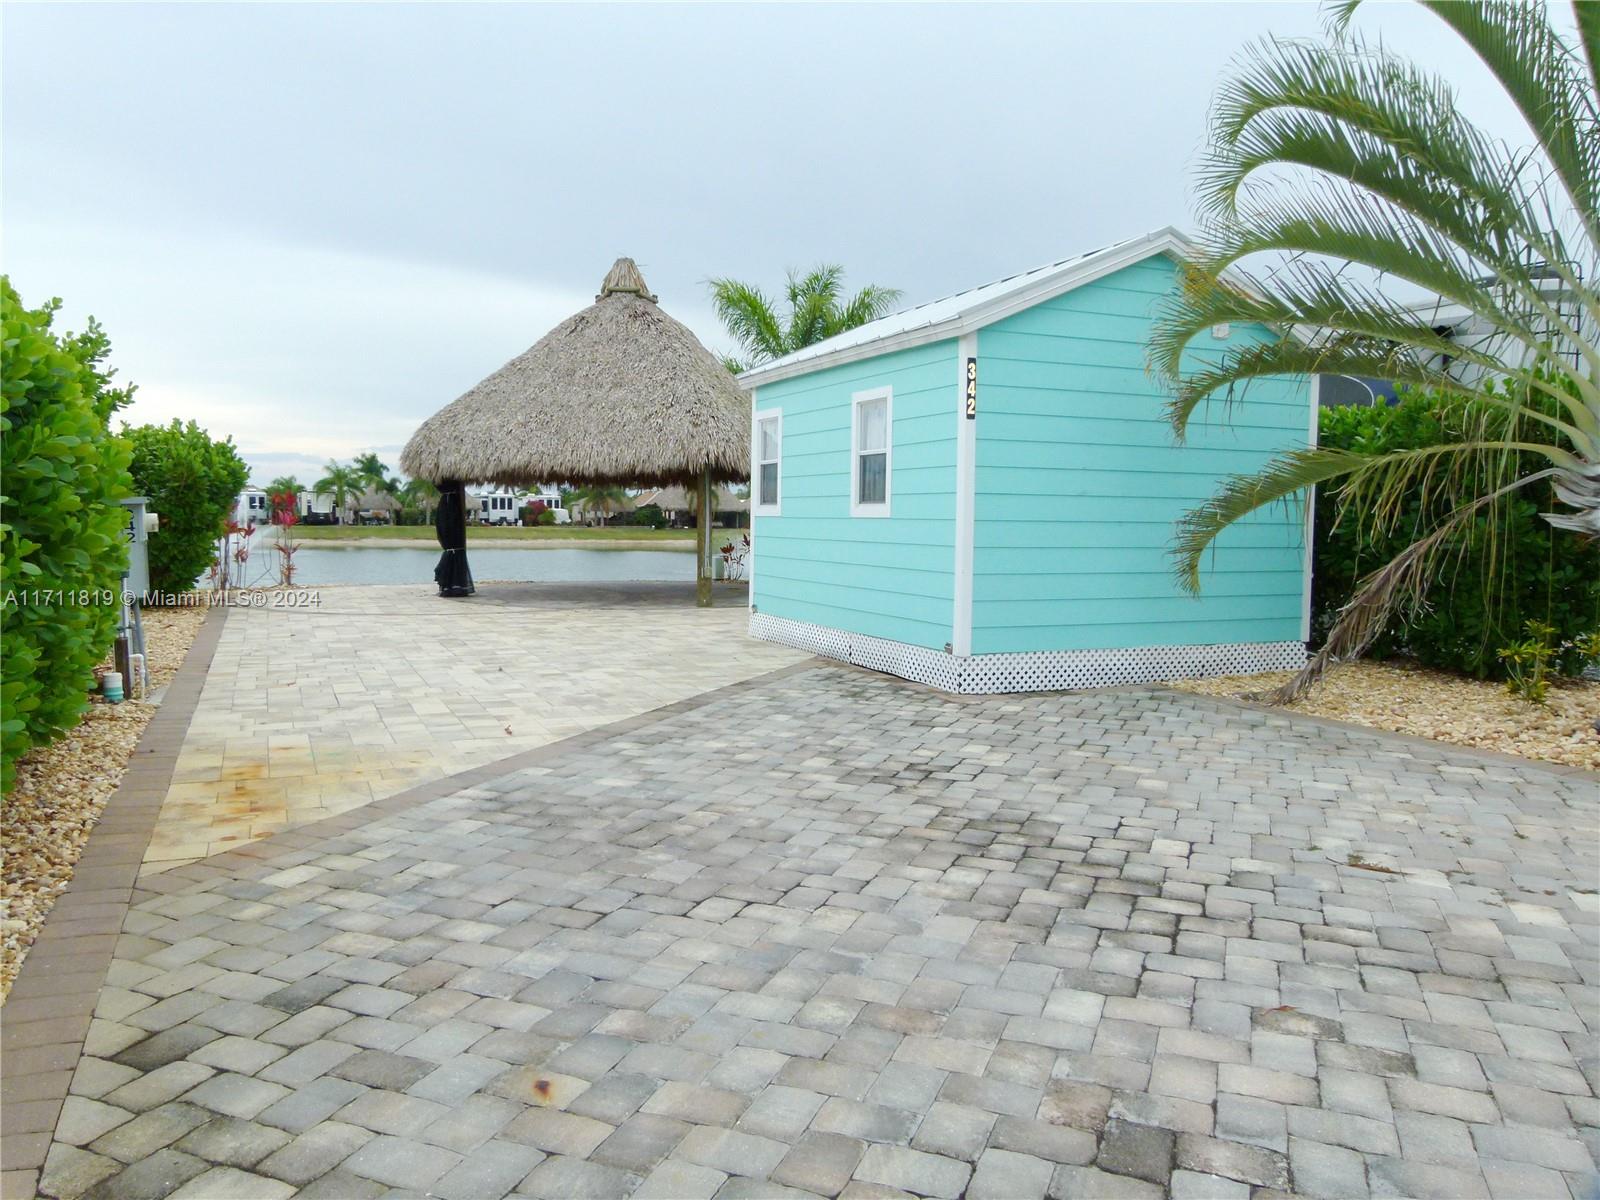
[(1080, 484), (888, 577)]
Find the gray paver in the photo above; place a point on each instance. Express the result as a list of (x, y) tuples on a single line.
[(315, 1152), (400, 1162), (1069, 945), (564, 1178), (821, 1163), (150, 1131), (1005, 1175), (231, 1142), (488, 1173), (150, 1178), (1143, 1151), (230, 1183), (922, 1173)]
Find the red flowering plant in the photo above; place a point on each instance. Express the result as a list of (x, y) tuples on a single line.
[(233, 552), (285, 516), (734, 556)]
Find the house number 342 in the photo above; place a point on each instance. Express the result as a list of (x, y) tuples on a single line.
[(972, 389)]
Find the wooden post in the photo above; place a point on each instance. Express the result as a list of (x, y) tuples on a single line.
[(702, 545)]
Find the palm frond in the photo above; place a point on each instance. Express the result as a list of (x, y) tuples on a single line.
[(1333, 323), (1376, 124), (815, 312), (1280, 481), (749, 316), (810, 309), (870, 303), (1588, 19), (820, 282), (1404, 577), (1543, 78)]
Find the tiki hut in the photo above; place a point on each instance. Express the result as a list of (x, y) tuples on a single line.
[(618, 394)]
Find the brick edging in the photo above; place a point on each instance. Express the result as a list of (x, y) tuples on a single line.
[(46, 1017), (1451, 749)]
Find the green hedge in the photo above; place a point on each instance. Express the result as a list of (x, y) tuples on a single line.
[(62, 543), (194, 483), (1483, 598)]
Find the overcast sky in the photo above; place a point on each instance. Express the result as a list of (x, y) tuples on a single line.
[(310, 226)]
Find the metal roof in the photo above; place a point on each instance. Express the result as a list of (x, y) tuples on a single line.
[(972, 309)]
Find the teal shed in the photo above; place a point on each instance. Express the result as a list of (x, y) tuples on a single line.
[(979, 493)]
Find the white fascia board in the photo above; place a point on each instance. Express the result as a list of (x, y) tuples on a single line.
[(1074, 274)]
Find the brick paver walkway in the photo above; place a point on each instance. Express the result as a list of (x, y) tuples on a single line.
[(309, 712), (838, 935)]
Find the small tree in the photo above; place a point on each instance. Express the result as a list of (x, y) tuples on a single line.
[(194, 482)]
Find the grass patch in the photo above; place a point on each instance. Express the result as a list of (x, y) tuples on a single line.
[(485, 533)]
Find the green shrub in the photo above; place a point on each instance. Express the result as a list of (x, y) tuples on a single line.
[(650, 516), (1485, 599), (194, 483), (545, 517), (62, 543)]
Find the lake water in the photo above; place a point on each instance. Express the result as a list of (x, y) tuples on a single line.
[(376, 564)]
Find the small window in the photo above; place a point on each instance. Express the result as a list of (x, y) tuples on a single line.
[(768, 450), (871, 452)]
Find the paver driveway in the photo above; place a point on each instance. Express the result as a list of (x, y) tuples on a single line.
[(310, 712), (839, 935)]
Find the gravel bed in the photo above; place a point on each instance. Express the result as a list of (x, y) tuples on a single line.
[(62, 788), (1405, 698)]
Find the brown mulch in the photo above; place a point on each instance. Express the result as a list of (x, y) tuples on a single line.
[(62, 788), (1406, 698)]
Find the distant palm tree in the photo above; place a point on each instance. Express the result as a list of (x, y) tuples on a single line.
[(1340, 154), (284, 483), (817, 309), (692, 494), (341, 482), (600, 498), (392, 488), (372, 470), (421, 495)]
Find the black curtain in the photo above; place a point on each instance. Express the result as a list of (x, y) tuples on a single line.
[(452, 574)]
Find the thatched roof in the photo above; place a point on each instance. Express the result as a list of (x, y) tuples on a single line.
[(679, 499), (619, 394)]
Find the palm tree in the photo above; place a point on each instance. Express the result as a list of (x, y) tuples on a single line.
[(817, 309), (284, 483), (372, 470), (1354, 167), (599, 498), (420, 494), (342, 482)]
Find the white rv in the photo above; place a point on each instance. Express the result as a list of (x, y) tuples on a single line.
[(253, 507), (503, 505), (318, 508)]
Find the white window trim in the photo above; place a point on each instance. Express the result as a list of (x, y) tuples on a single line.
[(757, 509), (858, 509)]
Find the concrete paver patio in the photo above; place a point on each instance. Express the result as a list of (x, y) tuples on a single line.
[(832, 934), (308, 712)]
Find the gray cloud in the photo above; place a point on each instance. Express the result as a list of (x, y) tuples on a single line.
[(310, 226)]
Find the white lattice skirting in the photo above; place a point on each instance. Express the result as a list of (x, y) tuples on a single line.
[(1033, 671)]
